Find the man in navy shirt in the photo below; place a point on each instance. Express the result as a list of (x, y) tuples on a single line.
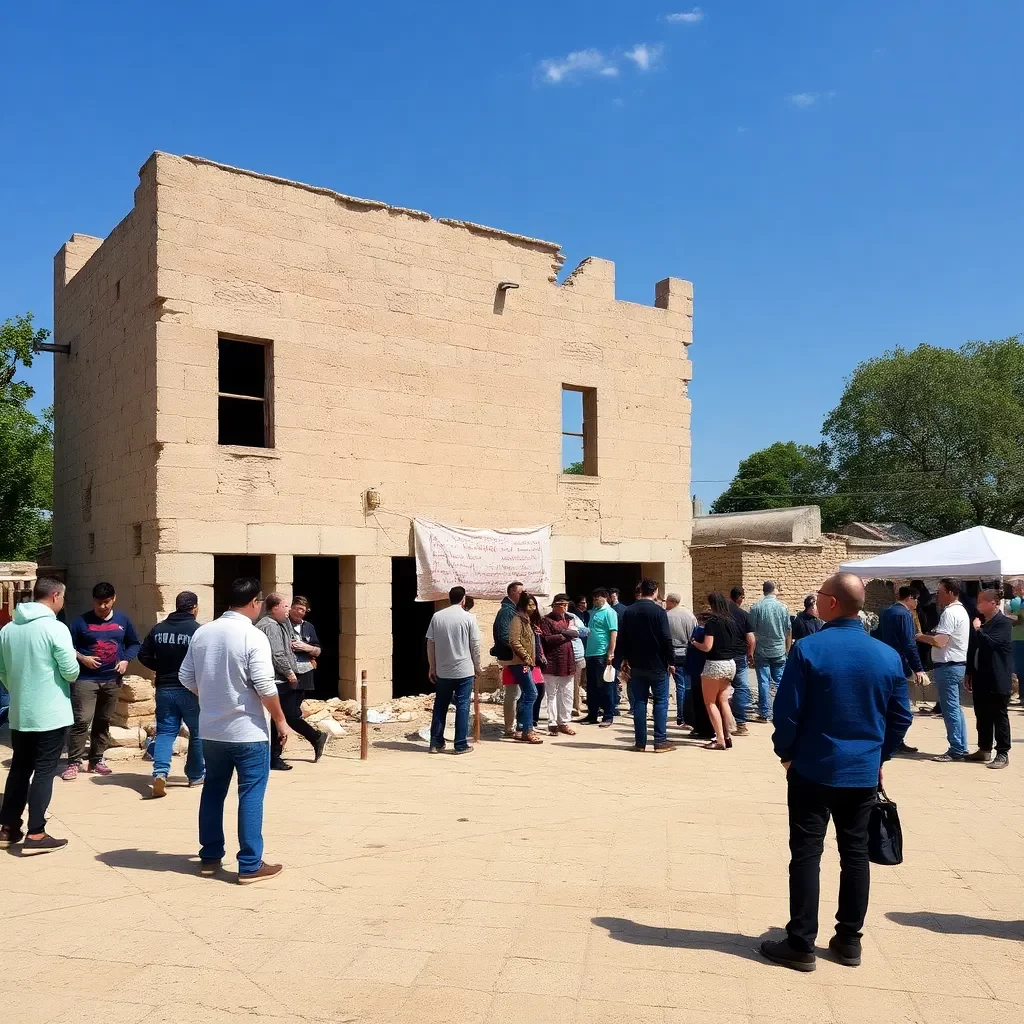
[(840, 711), (105, 642), (896, 628)]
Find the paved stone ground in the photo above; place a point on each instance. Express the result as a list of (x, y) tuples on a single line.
[(577, 881)]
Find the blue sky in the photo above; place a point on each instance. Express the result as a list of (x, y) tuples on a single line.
[(836, 178)]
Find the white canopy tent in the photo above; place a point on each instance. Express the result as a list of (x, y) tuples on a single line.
[(977, 553)]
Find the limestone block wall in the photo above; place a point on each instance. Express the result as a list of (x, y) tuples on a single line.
[(105, 411), (398, 366)]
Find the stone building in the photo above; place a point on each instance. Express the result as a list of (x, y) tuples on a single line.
[(250, 356), (785, 545)]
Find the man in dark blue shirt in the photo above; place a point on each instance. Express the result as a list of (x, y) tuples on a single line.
[(896, 628), (840, 711), (645, 647), (105, 642)]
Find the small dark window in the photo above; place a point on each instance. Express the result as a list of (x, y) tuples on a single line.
[(92, 543), (243, 393), (579, 430), (137, 538)]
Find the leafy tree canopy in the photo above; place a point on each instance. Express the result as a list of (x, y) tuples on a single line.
[(931, 437), (26, 448)]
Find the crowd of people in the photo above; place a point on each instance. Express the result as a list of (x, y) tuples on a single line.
[(838, 698)]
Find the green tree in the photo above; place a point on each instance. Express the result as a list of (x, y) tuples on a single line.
[(26, 448), (780, 476), (934, 437)]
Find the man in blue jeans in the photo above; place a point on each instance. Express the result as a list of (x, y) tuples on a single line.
[(163, 651), (772, 631), (645, 645), (228, 665), (949, 664), (453, 651)]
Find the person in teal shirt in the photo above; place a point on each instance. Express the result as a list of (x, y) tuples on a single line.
[(1014, 611), (37, 664), (600, 652), (773, 632)]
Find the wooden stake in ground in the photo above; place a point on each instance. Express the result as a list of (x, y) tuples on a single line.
[(476, 710), (364, 701)]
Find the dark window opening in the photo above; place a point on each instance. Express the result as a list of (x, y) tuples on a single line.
[(92, 543), (579, 430), (316, 579), (137, 538), (227, 569), (410, 670), (243, 393), (117, 290), (583, 578)]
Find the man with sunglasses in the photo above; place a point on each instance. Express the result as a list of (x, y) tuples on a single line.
[(841, 711)]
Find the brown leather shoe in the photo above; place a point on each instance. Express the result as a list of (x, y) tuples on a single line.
[(266, 871), (567, 730), (664, 748), (208, 868)]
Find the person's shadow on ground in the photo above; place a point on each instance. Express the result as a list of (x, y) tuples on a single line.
[(154, 860), (744, 946), (141, 784), (959, 924)]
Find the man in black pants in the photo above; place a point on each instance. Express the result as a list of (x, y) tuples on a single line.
[(37, 664), (280, 632), (989, 679), (840, 711)]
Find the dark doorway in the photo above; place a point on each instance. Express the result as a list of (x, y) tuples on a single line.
[(409, 621), (316, 579), (227, 569), (584, 577)]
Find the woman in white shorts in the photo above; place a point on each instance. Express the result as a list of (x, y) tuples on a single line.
[(723, 643)]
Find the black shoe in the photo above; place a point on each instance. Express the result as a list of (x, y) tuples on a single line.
[(783, 953), (319, 745), (280, 765), (906, 748), (45, 845), (10, 835), (847, 953), (999, 761), (465, 750)]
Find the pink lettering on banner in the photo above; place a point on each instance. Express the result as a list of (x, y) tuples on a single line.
[(482, 561)]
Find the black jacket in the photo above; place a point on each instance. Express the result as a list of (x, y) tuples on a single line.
[(990, 656), (645, 638), (804, 624), (164, 648)]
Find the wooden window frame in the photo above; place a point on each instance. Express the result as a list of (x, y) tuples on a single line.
[(267, 345), (589, 434)]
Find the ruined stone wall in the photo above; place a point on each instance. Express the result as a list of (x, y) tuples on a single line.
[(797, 569), (716, 567), (397, 366), (105, 411)]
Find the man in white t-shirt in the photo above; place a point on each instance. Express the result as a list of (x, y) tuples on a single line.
[(949, 659)]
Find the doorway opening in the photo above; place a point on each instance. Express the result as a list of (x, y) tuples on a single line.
[(410, 670), (583, 578), (316, 578), (227, 569)]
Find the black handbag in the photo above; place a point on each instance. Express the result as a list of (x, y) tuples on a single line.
[(885, 836)]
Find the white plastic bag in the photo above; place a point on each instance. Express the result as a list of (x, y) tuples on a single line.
[(609, 673)]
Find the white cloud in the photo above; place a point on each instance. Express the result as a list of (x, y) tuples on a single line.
[(810, 99), (577, 63), (644, 56), (694, 17)]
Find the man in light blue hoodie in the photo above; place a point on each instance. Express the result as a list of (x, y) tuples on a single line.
[(37, 662)]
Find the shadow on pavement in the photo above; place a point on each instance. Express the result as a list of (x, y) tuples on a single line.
[(959, 924), (154, 860), (744, 946), (141, 784)]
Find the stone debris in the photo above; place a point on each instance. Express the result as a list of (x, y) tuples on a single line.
[(136, 704), (330, 726), (135, 737), (401, 709)]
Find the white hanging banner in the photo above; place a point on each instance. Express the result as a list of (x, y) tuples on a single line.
[(485, 562)]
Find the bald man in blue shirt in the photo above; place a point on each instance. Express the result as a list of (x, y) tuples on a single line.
[(840, 712)]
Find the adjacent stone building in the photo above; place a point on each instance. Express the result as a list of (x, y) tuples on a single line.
[(786, 545), (271, 378)]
